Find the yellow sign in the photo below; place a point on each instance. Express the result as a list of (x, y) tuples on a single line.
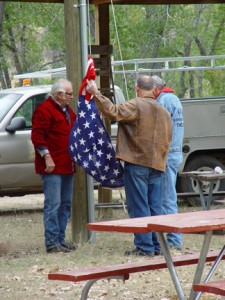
[(26, 82)]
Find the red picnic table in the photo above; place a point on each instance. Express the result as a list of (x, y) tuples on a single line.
[(189, 222)]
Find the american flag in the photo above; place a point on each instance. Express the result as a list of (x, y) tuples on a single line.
[(89, 143)]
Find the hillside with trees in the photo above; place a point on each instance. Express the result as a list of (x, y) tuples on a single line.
[(32, 39)]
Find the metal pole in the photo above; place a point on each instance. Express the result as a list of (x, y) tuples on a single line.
[(84, 57), (83, 34)]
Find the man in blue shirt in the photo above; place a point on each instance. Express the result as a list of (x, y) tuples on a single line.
[(166, 97)]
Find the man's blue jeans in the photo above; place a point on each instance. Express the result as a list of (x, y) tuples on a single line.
[(58, 190), (169, 194), (143, 196)]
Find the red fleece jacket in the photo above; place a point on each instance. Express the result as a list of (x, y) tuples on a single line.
[(51, 129)]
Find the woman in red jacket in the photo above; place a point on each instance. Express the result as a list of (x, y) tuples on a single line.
[(51, 124)]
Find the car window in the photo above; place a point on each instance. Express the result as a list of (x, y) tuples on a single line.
[(27, 109), (6, 103)]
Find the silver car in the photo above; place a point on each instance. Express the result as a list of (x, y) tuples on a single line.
[(17, 174)]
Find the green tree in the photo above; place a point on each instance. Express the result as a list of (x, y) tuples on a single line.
[(153, 31), (32, 37)]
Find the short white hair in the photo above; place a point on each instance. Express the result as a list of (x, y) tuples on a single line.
[(60, 85), (158, 82)]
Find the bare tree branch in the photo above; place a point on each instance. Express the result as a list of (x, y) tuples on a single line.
[(217, 36)]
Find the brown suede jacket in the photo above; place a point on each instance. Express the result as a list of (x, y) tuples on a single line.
[(144, 131)]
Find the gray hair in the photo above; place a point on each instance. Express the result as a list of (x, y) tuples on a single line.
[(145, 82), (60, 86), (158, 82)]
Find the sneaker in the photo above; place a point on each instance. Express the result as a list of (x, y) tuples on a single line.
[(175, 247), (158, 252), (58, 248), (138, 252), (71, 247)]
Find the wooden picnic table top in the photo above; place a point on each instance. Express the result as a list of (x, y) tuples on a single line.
[(203, 175), (189, 222), (136, 225)]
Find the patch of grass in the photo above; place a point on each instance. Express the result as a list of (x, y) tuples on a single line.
[(24, 263)]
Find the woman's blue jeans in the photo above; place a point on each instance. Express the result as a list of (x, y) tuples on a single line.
[(143, 196), (58, 191)]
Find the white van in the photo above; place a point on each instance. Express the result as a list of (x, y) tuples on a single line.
[(17, 173), (16, 149)]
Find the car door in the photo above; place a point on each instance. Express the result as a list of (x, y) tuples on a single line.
[(17, 153)]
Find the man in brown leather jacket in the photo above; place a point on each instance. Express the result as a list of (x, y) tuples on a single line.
[(143, 140)]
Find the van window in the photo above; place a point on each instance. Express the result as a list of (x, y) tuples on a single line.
[(6, 103), (27, 109)]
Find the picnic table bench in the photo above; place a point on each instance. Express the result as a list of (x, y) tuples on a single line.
[(182, 196), (194, 194), (213, 287), (185, 196), (122, 271)]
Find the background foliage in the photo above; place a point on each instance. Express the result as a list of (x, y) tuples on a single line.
[(173, 31), (32, 38)]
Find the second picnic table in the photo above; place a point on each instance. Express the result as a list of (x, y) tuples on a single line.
[(204, 176), (190, 222)]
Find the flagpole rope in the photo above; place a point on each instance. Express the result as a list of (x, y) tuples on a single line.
[(117, 38), (120, 52)]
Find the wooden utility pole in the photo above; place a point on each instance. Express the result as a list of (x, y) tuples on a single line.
[(74, 74), (102, 35)]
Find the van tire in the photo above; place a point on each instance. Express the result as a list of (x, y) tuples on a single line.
[(200, 163)]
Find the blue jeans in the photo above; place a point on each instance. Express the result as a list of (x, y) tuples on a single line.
[(169, 195), (143, 196), (58, 190)]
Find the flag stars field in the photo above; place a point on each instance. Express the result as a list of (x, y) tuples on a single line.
[(89, 143)]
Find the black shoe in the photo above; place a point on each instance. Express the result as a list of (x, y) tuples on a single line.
[(137, 252), (58, 248), (71, 247), (179, 248), (158, 252)]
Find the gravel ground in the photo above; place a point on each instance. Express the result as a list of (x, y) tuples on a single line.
[(24, 264)]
